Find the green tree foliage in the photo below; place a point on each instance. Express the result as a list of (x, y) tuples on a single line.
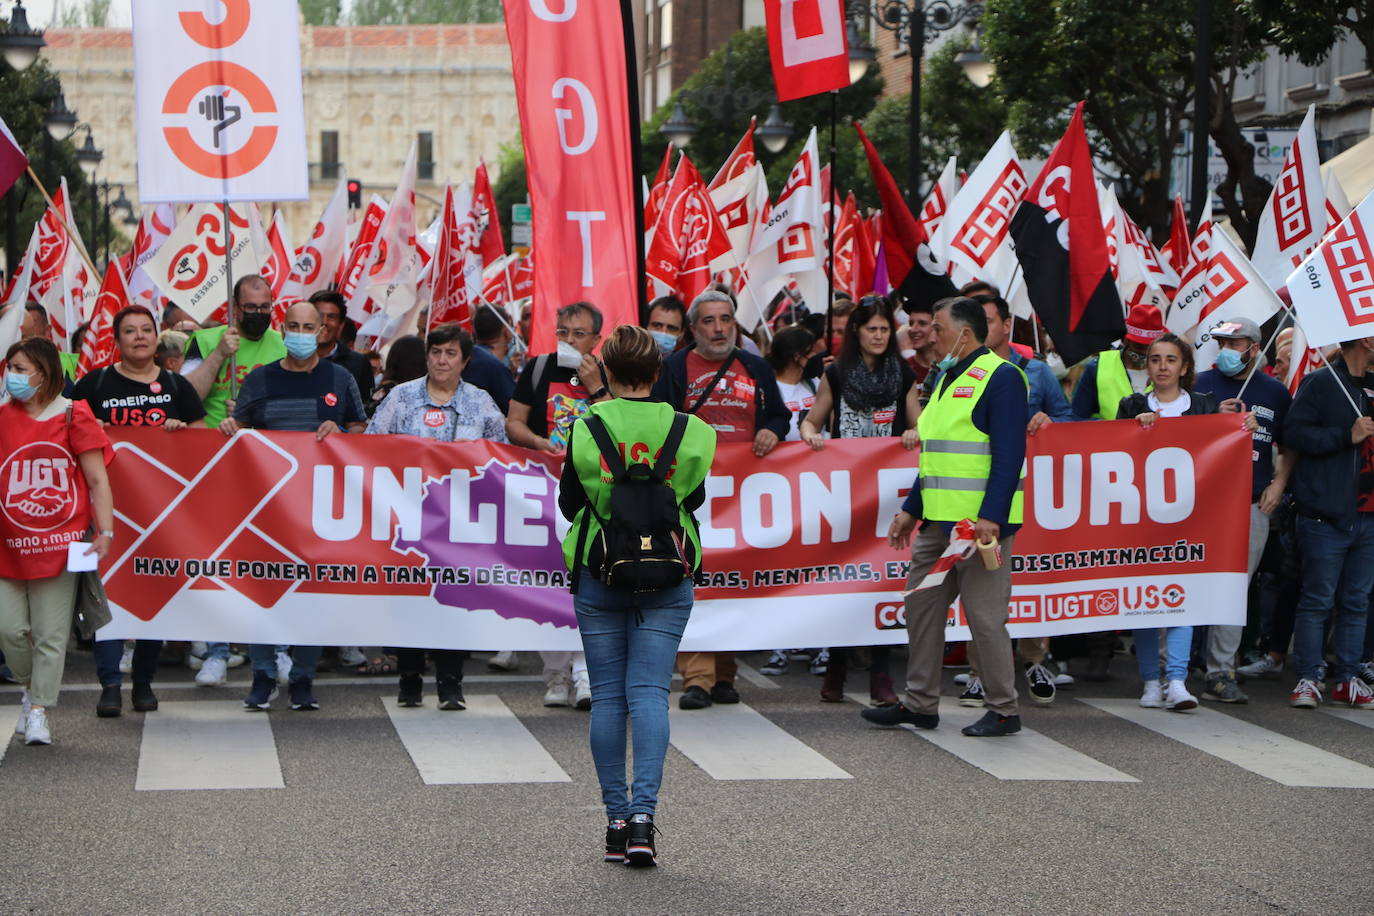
[(1308, 29), (77, 14), (1132, 62), (510, 188), (321, 12), (751, 73)]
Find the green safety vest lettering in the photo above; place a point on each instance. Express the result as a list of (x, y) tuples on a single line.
[(956, 456)]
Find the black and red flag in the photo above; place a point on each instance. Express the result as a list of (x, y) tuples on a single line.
[(1063, 251)]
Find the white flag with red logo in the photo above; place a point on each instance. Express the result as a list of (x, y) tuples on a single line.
[(450, 271), (390, 283), (1234, 290), (364, 240), (486, 221), (98, 345), (153, 230), (806, 43), (64, 283), (738, 203), (1191, 295), (317, 262), (788, 242), (189, 267), (279, 255), (1333, 287), (1294, 219), (687, 237), (1337, 204), (941, 195), (1303, 360), (1141, 274), (741, 160), (975, 233)]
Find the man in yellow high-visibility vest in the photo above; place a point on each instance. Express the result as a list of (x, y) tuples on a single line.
[(973, 452)]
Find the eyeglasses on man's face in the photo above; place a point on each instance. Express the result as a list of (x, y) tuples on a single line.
[(571, 334)]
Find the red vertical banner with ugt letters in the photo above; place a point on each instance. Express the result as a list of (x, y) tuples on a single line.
[(221, 115), (571, 86)]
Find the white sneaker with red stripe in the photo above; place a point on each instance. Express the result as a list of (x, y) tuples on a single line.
[(1306, 695), (1354, 693)]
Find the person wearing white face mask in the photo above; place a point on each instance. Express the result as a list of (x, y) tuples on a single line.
[(1238, 382), (302, 393), (54, 453)]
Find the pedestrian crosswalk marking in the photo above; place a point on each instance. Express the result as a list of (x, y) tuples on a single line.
[(1363, 717), (1027, 755), (486, 743), (207, 744), (733, 741), (757, 678), (1259, 750)]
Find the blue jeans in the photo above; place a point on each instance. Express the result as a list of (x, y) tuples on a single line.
[(303, 661), (108, 651), (630, 666), (219, 650), (1337, 575), (1178, 644)]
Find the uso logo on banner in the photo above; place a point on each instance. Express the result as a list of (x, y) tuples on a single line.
[(220, 109)]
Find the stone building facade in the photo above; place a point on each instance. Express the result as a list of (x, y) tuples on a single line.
[(369, 92)]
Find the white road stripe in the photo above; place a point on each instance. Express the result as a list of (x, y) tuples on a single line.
[(733, 741), (1259, 750), (757, 678), (1363, 717), (207, 744), (1025, 755), (485, 743)]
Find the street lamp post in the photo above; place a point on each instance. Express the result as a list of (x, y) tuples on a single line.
[(20, 42), (773, 133), (916, 23)]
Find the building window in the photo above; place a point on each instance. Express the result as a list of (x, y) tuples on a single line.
[(425, 157), (665, 25), (329, 155)]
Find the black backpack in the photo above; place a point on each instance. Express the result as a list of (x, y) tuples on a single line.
[(642, 546)]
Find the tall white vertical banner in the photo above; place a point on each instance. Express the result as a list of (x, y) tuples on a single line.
[(221, 114)]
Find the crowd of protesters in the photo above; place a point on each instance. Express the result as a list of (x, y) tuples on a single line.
[(871, 372)]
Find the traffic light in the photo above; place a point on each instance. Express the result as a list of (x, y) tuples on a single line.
[(355, 194)]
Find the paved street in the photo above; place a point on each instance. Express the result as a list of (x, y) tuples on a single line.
[(782, 804)]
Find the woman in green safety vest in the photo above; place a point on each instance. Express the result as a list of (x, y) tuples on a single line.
[(630, 637)]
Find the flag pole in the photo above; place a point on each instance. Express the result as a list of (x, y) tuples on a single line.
[(636, 152), (229, 295), (72, 234)]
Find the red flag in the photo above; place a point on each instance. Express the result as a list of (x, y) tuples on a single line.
[(276, 266), (902, 234), (98, 345), (487, 224), (1059, 241), (653, 202), (13, 162), (350, 278), (449, 301), (1175, 250), (807, 45), (853, 253), (688, 235), (741, 159)]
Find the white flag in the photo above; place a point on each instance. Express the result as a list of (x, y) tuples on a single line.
[(1294, 219), (1333, 288), (975, 233), (1234, 290), (189, 267), (319, 259), (941, 195), (1191, 295), (788, 242)]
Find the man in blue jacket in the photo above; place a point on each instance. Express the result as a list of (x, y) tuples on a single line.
[(1333, 488)]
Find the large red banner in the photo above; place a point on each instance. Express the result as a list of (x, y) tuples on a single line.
[(364, 540), (570, 83)]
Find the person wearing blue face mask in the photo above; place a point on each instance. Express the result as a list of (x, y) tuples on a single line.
[(667, 318), (1238, 382), (298, 393)]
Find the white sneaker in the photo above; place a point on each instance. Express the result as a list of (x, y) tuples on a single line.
[(961, 678), (1152, 697), (351, 656), (582, 690), (236, 659), (126, 659), (283, 668), (195, 655), (504, 660), (1178, 698), (212, 673), (25, 705), (36, 729), (1265, 666), (1063, 680), (556, 688)]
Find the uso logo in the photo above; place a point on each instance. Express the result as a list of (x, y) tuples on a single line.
[(39, 487)]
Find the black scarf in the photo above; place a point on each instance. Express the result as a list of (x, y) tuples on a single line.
[(867, 390)]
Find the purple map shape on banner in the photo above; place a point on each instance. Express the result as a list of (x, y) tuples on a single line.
[(526, 549)]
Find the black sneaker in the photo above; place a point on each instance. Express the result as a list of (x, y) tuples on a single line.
[(892, 716), (144, 699), (973, 693), (993, 725), (261, 694), (1222, 688), (776, 664), (451, 695), (694, 697), (1040, 682), (303, 696), (110, 702), (639, 845), (411, 692), (724, 692), (617, 834)]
